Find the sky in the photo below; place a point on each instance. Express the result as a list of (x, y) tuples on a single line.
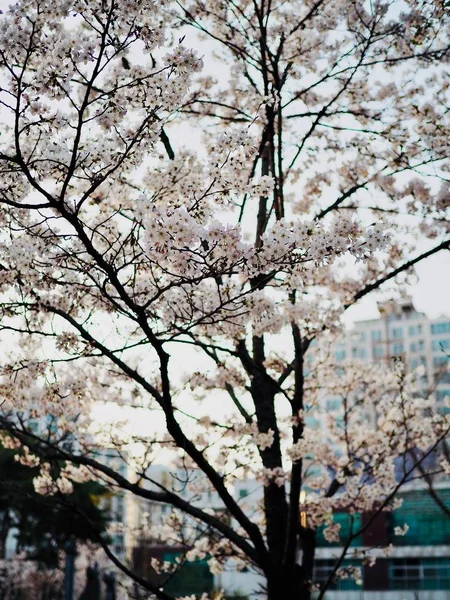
[(431, 293)]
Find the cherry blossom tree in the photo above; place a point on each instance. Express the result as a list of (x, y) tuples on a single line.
[(184, 244), (22, 578)]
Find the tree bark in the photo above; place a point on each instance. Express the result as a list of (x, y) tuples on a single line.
[(4, 530), (288, 584)]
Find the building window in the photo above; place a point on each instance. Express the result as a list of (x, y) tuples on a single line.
[(358, 352), (323, 569), (440, 345), (119, 510), (413, 347), (339, 355), (436, 574), (405, 574), (376, 335), (441, 395), (312, 422), (243, 493), (416, 362), (397, 333), (333, 403), (397, 349), (438, 328), (414, 330), (420, 573), (117, 544), (378, 351), (438, 361), (33, 426)]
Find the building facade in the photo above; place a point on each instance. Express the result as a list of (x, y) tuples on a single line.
[(418, 566), (401, 332)]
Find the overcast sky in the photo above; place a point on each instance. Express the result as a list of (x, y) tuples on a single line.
[(431, 294)]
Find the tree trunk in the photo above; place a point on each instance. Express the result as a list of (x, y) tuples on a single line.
[(288, 584), (292, 580), (4, 530)]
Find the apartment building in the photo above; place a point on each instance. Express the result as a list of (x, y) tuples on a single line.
[(418, 567), (401, 332)]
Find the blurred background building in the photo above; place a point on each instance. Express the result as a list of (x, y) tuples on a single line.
[(401, 332)]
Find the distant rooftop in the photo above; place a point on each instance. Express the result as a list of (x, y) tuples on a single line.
[(400, 307)]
